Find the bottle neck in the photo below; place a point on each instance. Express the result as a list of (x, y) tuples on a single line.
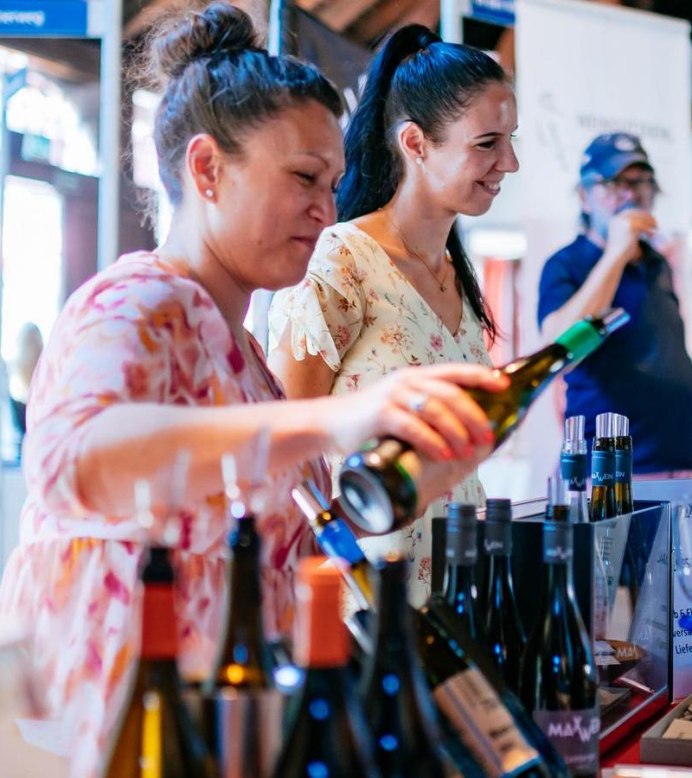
[(558, 551), (461, 591), (159, 628), (499, 573), (245, 588)]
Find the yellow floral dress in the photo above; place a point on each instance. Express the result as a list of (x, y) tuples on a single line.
[(364, 318), (140, 331)]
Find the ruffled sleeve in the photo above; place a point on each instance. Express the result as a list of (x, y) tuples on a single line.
[(120, 339), (326, 309)]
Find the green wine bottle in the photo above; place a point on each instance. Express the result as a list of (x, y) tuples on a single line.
[(603, 469), (378, 482), (622, 487), (157, 737)]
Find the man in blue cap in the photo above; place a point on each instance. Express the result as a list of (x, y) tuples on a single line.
[(643, 371)]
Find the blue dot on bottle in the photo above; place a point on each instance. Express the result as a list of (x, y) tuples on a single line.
[(389, 742), (390, 684), (319, 709), (318, 770)]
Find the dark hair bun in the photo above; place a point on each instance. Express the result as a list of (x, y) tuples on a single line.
[(218, 28)]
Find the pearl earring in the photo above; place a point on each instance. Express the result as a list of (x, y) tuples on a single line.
[(419, 160), (209, 193)]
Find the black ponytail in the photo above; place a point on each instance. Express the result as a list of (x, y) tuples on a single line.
[(414, 77), (373, 168)]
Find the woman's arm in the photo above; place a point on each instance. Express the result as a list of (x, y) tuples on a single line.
[(301, 378), (130, 441)]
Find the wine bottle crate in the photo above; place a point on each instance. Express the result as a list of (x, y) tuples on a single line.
[(622, 567)]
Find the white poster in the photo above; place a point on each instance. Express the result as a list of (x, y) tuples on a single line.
[(584, 69)]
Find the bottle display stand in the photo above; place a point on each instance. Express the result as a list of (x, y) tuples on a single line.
[(622, 579)]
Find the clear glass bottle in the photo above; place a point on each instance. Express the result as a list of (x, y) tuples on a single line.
[(574, 468)]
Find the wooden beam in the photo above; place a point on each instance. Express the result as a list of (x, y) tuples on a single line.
[(381, 19), (339, 14)]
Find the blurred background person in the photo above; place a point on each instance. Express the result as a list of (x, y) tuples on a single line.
[(643, 371), (20, 371)]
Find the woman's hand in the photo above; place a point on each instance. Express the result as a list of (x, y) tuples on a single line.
[(425, 406)]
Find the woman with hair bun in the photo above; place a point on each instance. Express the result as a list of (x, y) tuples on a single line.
[(390, 286), (149, 366)]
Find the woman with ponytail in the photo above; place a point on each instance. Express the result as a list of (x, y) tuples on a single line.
[(390, 286)]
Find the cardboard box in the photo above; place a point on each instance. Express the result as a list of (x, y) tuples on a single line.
[(656, 749)]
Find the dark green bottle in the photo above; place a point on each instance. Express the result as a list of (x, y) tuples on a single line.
[(462, 554), (396, 701), (325, 733), (504, 632), (379, 482), (558, 673)]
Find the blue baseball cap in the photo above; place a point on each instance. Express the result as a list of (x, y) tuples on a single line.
[(608, 155)]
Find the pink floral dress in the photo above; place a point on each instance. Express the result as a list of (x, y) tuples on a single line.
[(358, 311), (140, 331)]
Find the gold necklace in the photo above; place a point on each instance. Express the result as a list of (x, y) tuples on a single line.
[(448, 257)]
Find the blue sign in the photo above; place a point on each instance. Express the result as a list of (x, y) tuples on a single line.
[(494, 11), (47, 19)]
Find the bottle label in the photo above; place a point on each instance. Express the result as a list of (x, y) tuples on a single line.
[(558, 544), (623, 466), (574, 470), (574, 733), (580, 340), (602, 468), (338, 540), (474, 709)]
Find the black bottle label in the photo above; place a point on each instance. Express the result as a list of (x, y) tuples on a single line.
[(574, 470), (484, 724), (602, 468), (623, 466), (574, 733), (558, 546)]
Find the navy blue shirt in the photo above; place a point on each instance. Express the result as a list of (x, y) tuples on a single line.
[(642, 371)]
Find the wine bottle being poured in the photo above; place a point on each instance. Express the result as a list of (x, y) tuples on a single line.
[(378, 485)]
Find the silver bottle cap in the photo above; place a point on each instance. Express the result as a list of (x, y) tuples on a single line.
[(574, 427), (613, 319), (605, 425), (622, 425)]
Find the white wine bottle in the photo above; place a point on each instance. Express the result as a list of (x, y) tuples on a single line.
[(377, 482), (157, 737)]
